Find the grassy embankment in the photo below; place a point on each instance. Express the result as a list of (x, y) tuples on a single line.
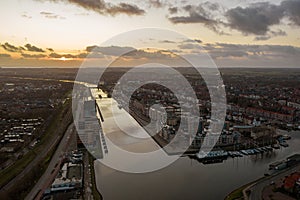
[(237, 194), (96, 193)]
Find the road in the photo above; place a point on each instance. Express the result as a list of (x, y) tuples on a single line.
[(87, 178), (257, 188), (54, 165)]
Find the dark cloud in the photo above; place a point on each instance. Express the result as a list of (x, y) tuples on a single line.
[(270, 35), (156, 3), (262, 38), (292, 10), (167, 41), (11, 48), (50, 15), (212, 6), (125, 8), (50, 49), (197, 14), (125, 52), (56, 55), (192, 41), (104, 8), (142, 54), (255, 55), (81, 55), (90, 55), (252, 54), (198, 41), (259, 17), (255, 19), (173, 10), (33, 55), (110, 50), (278, 33), (4, 55), (269, 50), (203, 14), (193, 18), (30, 47)]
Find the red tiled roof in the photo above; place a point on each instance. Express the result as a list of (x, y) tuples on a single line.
[(290, 181)]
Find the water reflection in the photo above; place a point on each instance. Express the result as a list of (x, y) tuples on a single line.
[(188, 178)]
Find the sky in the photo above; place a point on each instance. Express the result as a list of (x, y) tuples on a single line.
[(235, 33)]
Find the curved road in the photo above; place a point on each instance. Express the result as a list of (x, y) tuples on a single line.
[(257, 188)]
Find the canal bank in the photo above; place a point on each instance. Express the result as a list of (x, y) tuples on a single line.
[(185, 178)]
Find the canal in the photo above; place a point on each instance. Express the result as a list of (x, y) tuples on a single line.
[(185, 178)]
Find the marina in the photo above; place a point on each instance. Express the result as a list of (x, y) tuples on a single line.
[(186, 174)]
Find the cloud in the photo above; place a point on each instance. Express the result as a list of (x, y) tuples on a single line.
[(129, 52), (258, 50), (50, 15), (56, 55), (33, 48), (104, 8), (11, 48), (74, 56), (292, 10), (173, 10), (197, 40), (227, 54), (90, 55), (270, 35), (196, 14), (278, 33), (33, 55), (156, 3), (26, 16), (192, 41), (167, 41), (259, 17), (50, 49), (137, 54), (124, 8), (252, 55), (262, 38), (4, 55), (212, 6), (110, 50), (204, 13), (255, 19)]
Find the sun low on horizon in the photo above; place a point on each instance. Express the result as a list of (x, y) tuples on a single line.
[(61, 33)]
